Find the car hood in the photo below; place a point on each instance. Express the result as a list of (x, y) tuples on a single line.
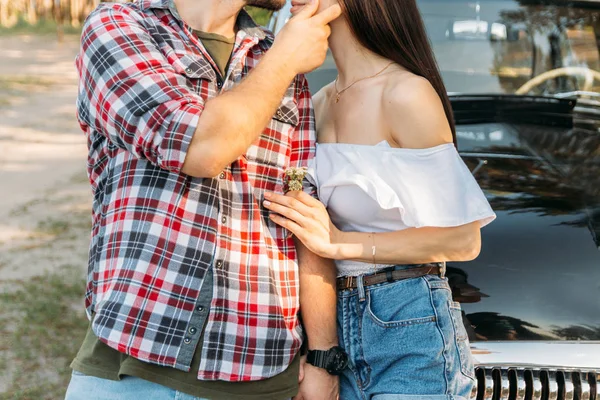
[(538, 274)]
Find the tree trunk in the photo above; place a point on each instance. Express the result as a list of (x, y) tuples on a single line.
[(31, 12), (60, 32), (7, 19)]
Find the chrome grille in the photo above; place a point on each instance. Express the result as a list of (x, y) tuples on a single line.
[(513, 383)]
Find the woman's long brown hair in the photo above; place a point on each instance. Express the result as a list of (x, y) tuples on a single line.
[(395, 30)]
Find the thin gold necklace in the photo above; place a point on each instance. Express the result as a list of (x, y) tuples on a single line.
[(339, 92)]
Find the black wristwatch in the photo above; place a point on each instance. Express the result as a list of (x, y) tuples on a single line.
[(334, 360)]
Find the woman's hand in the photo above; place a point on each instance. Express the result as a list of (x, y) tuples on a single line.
[(306, 218)]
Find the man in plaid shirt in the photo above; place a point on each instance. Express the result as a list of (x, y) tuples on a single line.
[(187, 274)]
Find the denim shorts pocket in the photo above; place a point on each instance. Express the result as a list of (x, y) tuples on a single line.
[(462, 341), (400, 304)]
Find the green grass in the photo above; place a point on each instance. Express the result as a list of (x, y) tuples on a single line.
[(15, 86), (11, 82), (65, 227), (42, 324), (53, 226)]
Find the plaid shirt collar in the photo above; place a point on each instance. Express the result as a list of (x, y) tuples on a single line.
[(245, 22)]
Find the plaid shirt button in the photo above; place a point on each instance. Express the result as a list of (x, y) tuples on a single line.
[(224, 220), (192, 330), (187, 340), (219, 264), (199, 308), (222, 176)]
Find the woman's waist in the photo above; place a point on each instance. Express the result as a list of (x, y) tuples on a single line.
[(358, 268), (388, 273)]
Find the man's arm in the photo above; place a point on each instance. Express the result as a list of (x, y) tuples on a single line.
[(317, 275), (131, 94), (300, 47), (317, 299), (318, 306)]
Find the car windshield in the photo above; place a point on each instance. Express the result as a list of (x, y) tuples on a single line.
[(515, 46), (508, 46)]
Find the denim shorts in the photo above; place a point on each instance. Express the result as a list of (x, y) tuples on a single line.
[(405, 340)]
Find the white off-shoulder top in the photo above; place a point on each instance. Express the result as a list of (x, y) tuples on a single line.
[(381, 188)]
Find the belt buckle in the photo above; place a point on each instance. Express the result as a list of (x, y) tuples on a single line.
[(349, 282), (443, 269)]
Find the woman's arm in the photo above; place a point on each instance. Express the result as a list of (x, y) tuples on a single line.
[(413, 245), (309, 221)]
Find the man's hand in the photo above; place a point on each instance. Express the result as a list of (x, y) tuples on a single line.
[(302, 42), (317, 384)]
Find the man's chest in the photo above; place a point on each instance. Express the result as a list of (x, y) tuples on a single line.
[(194, 67)]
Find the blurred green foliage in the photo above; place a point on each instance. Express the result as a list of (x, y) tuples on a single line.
[(49, 26), (42, 27), (261, 16)]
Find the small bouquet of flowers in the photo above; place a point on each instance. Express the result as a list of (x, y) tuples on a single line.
[(294, 177)]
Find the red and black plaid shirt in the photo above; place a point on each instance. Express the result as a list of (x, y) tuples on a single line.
[(144, 80)]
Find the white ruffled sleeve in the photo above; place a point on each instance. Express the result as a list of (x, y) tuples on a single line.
[(311, 174), (432, 187)]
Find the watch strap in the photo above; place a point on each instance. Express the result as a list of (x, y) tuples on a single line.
[(334, 360), (317, 358)]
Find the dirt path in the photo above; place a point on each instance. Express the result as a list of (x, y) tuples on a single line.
[(42, 157), (44, 217)]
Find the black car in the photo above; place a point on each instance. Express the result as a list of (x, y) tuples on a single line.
[(524, 83)]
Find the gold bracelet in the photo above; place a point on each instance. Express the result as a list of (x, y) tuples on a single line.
[(373, 249)]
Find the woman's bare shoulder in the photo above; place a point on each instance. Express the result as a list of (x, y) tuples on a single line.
[(321, 105), (320, 98), (414, 112)]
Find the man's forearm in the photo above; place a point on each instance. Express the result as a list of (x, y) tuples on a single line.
[(317, 299), (232, 121)]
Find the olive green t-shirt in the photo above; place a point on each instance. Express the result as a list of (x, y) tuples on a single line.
[(98, 359), (219, 47)]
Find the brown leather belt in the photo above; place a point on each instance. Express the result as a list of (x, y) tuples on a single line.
[(391, 275)]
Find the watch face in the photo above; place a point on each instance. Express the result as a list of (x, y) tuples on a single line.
[(338, 361)]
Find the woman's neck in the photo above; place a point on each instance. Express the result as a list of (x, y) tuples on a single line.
[(352, 59)]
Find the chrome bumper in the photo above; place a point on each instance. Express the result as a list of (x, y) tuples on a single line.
[(499, 383), (537, 371)]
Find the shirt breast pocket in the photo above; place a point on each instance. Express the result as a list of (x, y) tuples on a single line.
[(269, 156), (273, 147), (189, 64)]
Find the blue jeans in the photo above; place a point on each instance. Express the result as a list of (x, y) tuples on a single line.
[(405, 341), (85, 387)]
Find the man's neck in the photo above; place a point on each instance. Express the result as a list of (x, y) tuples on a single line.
[(212, 16), (352, 59)]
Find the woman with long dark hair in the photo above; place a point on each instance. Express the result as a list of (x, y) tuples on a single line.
[(397, 202)]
